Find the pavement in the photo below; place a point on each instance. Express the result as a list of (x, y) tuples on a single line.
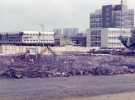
[(62, 87)]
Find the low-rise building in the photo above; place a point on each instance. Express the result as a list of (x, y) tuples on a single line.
[(27, 38), (34, 37), (79, 40), (20, 42)]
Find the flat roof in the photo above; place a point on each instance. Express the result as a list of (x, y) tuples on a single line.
[(27, 32)]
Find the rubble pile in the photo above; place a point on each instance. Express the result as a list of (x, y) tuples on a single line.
[(32, 66)]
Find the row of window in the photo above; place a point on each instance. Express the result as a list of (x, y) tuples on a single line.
[(95, 44), (96, 25), (38, 35), (96, 32), (16, 41), (37, 40)]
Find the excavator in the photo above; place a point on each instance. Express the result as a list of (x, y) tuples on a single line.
[(129, 42)]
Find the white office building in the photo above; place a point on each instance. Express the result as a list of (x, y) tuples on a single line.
[(38, 37), (20, 42), (27, 38), (110, 37)]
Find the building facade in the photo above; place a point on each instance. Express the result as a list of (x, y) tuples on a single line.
[(27, 38), (70, 32), (79, 40), (12, 37), (57, 31), (35, 37), (64, 36), (110, 37), (110, 16), (58, 35), (117, 16), (95, 28)]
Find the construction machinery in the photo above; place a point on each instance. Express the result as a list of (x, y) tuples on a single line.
[(129, 42)]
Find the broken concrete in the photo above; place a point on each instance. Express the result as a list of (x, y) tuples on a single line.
[(65, 65)]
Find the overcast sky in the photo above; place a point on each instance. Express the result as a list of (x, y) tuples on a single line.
[(18, 15)]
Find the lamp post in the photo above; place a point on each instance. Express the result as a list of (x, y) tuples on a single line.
[(121, 13)]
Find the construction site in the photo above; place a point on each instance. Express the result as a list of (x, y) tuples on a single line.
[(68, 73), (66, 64)]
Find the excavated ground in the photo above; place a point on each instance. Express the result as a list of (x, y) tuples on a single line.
[(66, 77), (65, 65)]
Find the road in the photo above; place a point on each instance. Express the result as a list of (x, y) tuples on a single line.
[(57, 88)]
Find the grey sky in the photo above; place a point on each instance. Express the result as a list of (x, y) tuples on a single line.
[(18, 15)]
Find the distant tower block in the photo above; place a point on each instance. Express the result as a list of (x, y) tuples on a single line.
[(123, 2)]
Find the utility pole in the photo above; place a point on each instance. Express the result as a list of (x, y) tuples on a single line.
[(42, 30), (121, 13), (42, 27), (121, 2)]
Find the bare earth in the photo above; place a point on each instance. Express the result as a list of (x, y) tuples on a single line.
[(72, 88)]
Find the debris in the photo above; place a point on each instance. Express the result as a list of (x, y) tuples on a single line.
[(32, 66)]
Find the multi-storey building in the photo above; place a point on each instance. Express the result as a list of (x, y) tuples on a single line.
[(27, 38), (110, 16), (117, 16), (79, 40), (57, 31), (69, 32), (58, 36), (95, 28), (20, 42), (110, 37), (63, 36)]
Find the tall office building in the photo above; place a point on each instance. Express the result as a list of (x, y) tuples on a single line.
[(117, 16), (57, 31), (70, 32), (95, 28), (110, 16), (64, 35), (58, 36)]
